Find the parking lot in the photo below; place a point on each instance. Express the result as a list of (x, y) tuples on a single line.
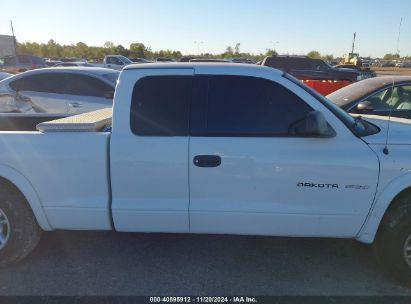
[(392, 71), (106, 263)]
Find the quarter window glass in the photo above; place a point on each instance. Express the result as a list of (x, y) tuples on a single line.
[(160, 106), (248, 106)]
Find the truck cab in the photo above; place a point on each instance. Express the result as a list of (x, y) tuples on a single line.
[(116, 62)]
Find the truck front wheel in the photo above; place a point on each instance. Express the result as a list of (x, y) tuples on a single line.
[(19, 231), (393, 243)]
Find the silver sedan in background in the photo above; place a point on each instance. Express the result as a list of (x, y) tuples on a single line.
[(62, 90)]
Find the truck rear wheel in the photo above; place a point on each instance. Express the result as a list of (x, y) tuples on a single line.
[(393, 243), (19, 231)]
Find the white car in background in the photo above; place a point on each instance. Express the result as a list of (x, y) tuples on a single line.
[(62, 90), (115, 62)]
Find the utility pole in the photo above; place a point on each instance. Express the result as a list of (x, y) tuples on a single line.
[(14, 37), (399, 36), (353, 43)]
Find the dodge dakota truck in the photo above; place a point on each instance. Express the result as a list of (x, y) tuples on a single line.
[(209, 148)]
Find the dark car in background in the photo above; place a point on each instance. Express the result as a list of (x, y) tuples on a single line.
[(210, 60), (386, 95), (304, 67), (21, 63), (164, 59)]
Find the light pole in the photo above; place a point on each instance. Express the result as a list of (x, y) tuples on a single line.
[(198, 43)]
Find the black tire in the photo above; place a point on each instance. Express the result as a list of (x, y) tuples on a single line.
[(392, 236), (23, 230)]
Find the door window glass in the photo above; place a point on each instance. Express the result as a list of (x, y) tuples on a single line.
[(248, 106), (160, 106)]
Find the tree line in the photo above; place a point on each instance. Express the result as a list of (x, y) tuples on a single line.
[(52, 49)]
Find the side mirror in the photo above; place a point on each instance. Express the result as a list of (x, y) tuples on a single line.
[(365, 106), (317, 125), (313, 125), (109, 95)]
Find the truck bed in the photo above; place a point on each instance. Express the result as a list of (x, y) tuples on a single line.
[(25, 122), (70, 171)]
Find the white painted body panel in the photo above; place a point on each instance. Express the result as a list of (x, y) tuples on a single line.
[(395, 177), (258, 180), (68, 173), (399, 132)]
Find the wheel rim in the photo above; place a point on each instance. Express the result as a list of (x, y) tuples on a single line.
[(407, 251), (4, 229)]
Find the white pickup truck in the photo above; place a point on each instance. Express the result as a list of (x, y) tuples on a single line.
[(115, 62), (211, 148)]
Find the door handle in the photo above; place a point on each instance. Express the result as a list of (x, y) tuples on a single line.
[(207, 161), (75, 105)]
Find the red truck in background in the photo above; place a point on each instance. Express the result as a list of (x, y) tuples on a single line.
[(326, 87)]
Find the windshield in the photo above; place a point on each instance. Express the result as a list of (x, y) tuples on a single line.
[(112, 77), (125, 59), (327, 65)]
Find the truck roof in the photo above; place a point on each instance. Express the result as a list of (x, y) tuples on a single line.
[(209, 65)]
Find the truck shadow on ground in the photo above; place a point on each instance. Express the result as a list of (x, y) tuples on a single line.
[(108, 263)]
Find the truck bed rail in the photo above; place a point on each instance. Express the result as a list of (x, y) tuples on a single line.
[(88, 122)]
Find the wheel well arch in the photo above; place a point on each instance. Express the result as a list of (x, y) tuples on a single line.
[(385, 201), (394, 204), (14, 180)]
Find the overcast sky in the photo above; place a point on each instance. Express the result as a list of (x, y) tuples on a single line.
[(292, 26)]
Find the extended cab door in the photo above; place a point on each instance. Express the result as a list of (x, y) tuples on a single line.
[(250, 175), (149, 150)]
